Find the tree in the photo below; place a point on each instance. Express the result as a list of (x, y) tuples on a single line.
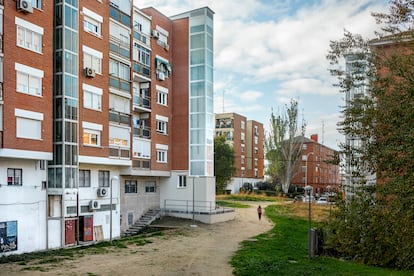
[(283, 148), (223, 163), (376, 225)]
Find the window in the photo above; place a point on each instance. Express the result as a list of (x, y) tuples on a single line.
[(92, 97), (92, 22), (119, 136), (103, 178), (182, 181), (162, 156), (162, 127), (256, 150), (119, 69), (304, 146), (131, 187), (303, 169), (162, 98), (130, 218), (92, 59), (84, 178), (28, 80), (29, 35), (91, 134), (91, 137), (242, 137), (14, 177), (36, 4), (242, 160), (256, 140), (242, 148), (119, 33), (150, 187), (28, 124), (243, 124), (142, 54)]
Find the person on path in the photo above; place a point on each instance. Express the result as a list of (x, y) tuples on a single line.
[(259, 212)]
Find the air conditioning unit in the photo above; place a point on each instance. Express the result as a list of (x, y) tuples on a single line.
[(94, 204), (89, 72), (24, 6), (161, 76), (103, 192), (155, 33)]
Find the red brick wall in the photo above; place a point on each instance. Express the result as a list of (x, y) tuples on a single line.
[(44, 61)]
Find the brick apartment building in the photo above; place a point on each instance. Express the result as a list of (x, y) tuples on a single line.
[(106, 112), (246, 138), (314, 168)]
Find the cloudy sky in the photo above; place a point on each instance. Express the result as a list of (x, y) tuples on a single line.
[(269, 51)]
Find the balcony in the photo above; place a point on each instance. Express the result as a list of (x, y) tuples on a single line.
[(142, 102), (142, 37), (1, 91), (141, 70), (144, 164), (120, 84), (119, 118), (1, 41), (119, 152), (142, 132)]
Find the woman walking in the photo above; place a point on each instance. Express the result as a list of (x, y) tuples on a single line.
[(259, 212)]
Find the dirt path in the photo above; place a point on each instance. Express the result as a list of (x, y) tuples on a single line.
[(202, 250)]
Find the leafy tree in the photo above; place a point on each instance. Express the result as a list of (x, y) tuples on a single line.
[(283, 149), (223, 163), (376, 225)]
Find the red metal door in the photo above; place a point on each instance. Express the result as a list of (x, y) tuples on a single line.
[(70, 231)]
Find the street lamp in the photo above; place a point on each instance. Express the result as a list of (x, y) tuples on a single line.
[(306, 166), (110, 206), (308, 189), (194, 177)]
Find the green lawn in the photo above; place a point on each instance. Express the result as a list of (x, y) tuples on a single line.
[(284, 251), (231, 204)]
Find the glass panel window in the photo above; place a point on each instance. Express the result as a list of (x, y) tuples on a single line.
[(29, 39), (91, 137), (150, 187), (84, 178), (14, 177), (162, 98), (131, 187), (90, 61), (118, 69), (103, 178), (92, 26), (161, 127), (142, 54), (162, 156), (182, 181), (92, 100), (28, 84)]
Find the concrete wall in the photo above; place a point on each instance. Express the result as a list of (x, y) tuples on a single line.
[(25, 204)]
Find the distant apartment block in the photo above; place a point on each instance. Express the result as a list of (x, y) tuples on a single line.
[(106, 111), (247, 138), (316, 168)]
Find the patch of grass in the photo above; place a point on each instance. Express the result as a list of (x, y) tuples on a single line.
[(248, 197), (284, 251), (231, 204)]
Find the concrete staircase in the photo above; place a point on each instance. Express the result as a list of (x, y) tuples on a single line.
[(142, 223)]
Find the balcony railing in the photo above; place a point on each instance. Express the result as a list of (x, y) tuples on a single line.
[(120, 84), (1, 42), (120, 118), (142, 132), (144, 102), (1, 91), (119, 152), (141, 164), (141, 69)]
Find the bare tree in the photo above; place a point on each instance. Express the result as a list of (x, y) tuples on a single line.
[(283, 145)]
